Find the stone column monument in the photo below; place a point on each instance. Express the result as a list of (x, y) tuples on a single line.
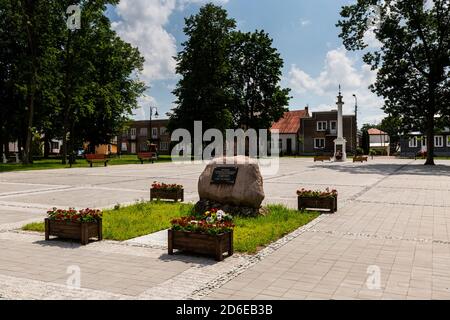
[(340, 144)]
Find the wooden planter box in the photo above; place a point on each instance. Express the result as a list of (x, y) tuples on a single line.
[(317, 203), (206, 244), (158, 194), (82, 231)]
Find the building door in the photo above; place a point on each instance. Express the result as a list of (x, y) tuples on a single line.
[(289, 146), (133, 147)]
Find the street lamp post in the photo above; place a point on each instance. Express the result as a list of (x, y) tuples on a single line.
[(151, 115)]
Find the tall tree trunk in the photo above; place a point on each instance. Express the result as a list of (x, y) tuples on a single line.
[(430, 140), (28, 10), (2, 136), (64, 139), (67, 99), (47, 142), (20, 146), (431, 124), (6, 148), (27, 153), (2, 145)]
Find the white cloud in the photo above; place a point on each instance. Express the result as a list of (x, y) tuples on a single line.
[(143, 112), (142, 24), (371, 40), (184, 3), (339, 69)]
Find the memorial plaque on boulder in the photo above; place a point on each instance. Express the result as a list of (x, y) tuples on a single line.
[(234, 185), (224, 175)]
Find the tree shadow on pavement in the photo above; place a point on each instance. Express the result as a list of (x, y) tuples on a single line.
[(399, 169)]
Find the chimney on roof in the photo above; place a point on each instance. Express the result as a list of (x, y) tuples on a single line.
[(307, 109)]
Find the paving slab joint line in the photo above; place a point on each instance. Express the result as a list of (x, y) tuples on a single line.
[(368, 188), (41, 191), (222, 280), (402, 204), (35, 191), (376, 236)]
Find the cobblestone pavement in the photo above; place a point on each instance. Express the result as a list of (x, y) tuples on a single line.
[(391, 240), (393, 218)]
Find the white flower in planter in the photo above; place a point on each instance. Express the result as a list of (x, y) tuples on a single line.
[(220, 215)]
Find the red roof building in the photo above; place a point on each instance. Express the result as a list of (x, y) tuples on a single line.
[(289, 130), (375, 132), (290, 123), (379, 141)]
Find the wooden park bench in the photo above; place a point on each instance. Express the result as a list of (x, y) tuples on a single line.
[(147, 156), (97, 158), (360, 159), (322, 158)]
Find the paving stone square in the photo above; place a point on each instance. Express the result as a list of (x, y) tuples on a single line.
[(390, 238)]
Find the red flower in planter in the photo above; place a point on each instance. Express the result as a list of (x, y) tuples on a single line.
[(207, 224), (318, 193), (167, 187), (87, 215)]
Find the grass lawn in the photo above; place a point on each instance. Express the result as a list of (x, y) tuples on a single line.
[(81, 163), (251, 234)]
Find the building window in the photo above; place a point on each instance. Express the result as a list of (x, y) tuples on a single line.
[(133, 132), (163, 131), (143, 132), (280, 144), (124, 146), (321, 126), (413, 142), (333, 126), (448, 141), (164, 146), (439, 141), (154, 133), (319, 143), (54, 145), (125, 133)]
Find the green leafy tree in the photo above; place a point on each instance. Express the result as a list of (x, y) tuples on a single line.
[(394, 127), (54, 83), (258, 100), (365, 143), (204, 66), (113, 92), (27, 36), (413, 62), (229, 79)]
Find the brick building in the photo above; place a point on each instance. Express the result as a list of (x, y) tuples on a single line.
[(318, 132), (135, 138)]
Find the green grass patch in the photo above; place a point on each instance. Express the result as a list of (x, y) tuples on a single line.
[(141, 219), (37, 227), (81, 163), (251, 234)]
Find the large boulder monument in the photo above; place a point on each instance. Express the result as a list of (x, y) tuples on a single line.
[(232, 184)]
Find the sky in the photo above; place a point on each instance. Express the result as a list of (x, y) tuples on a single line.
[(304, 32)]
